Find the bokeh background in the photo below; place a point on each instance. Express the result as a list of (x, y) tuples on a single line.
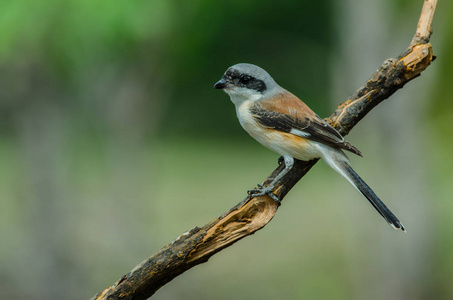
[(113, 142)]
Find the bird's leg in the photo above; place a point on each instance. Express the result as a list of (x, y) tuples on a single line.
[(262, 190)]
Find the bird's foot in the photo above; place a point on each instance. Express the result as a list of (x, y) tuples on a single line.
[(262, 190)]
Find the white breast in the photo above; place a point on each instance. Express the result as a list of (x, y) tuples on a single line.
[(249, 123)]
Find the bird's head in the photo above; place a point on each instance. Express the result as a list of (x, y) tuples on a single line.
[(246, 82)]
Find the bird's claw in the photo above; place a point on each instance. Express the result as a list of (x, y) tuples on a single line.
[(262, 190)]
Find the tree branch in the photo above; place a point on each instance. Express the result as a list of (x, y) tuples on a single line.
[(199, 244)]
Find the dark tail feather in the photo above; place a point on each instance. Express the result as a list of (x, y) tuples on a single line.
[(368, 193)]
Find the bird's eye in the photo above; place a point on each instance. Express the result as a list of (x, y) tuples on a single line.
[(245, 79)]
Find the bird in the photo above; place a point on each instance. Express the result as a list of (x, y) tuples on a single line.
[(283, 123)]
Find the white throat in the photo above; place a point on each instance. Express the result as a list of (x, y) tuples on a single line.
[(241, 95)]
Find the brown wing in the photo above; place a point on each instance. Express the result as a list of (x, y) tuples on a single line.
[(286, 113)]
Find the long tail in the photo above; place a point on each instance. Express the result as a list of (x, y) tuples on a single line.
[(339, 162), (368, 193)]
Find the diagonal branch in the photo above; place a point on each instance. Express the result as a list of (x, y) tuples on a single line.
[(199, 244)]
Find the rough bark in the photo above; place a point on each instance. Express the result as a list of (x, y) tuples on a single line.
[(253, 213)]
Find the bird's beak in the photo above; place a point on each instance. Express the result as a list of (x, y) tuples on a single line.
[(221, 84)]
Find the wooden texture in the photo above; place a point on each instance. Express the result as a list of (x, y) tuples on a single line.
[(199, 244)]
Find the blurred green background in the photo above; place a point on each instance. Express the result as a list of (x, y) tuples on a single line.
[(113, 142)]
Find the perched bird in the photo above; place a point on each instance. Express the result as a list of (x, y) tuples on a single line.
[(283, 123)]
